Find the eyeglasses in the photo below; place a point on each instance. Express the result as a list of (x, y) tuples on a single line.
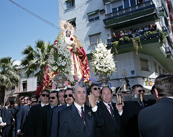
[(70, 95), (34, 102), (51, 97), (47, 95), (96, 88), (141, 91)]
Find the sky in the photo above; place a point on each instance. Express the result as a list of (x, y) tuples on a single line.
[(18, 28)]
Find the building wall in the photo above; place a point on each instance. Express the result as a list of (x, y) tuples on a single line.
[(83, 27)]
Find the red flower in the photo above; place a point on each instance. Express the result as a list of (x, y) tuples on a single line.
[(71, 39)]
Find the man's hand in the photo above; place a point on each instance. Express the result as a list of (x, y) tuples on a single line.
[(119, 107), (92, 100), (19, 132)]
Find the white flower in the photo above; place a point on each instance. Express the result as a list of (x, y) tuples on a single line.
[(55, 68)]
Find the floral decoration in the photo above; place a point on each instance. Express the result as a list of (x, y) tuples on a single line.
[(102, 60), (60, 57)]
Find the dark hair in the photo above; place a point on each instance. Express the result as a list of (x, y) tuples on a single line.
[(164, 84), (21, 97), (152, 90), (7, 103), (103, 88), (68, 89), (60, 91), (92, 85), (33, 96), (45, 91), (136, 86), (54, 91)]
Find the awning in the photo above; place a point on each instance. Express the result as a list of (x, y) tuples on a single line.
[(70, 20), (92, 13)]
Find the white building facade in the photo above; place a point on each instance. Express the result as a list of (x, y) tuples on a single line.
[(94, 19)]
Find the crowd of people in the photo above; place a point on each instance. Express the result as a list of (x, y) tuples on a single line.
[(71, 113), (131, 32)]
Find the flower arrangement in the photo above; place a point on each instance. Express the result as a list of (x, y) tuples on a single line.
[(71, 80), (102, 60), (60, 57)]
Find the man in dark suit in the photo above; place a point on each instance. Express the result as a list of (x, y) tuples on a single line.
[(23, 112), (54, 104), (79, 120), (156, 120), (112, 123), (68, 96), (129, 112), (6, 118), (32, 121)]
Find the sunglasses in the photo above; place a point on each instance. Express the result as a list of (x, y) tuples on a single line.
[(96, 88), (141, 91), (51, 97), (47, 95), (34, 102), (70, 95)]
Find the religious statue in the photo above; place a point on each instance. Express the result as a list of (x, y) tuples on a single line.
[(79, 61)]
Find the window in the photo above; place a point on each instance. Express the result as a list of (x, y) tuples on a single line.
[(126, 3), (144, 65), (72, 22), (93, 16), (94, 39), (133, 3), (70, 3), (24, 84), (120, 8)]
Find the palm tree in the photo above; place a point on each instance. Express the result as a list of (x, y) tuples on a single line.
[(9, 75), (35, 61)]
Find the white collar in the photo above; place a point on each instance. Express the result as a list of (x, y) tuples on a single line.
[(42, 105), (78, 106), (68, 105), (107, 103)]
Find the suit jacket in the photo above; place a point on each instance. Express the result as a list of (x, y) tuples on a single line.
[(129, 118), (6, 116), (72, 125), (55, 121), (156, 120), (111, 127), (23, 112), (42, 121), (32, 121)]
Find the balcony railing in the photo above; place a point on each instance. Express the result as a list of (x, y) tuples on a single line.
[(131, 10)]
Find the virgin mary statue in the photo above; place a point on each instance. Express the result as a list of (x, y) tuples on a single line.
[(79, 61)]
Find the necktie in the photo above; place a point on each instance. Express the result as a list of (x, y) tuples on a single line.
[(82, 114), (112, 112), (111, 109)]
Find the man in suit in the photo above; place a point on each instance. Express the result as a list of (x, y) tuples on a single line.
[(23, 112), (45, 116), (79, 120), (156, 120), (6, 118), (112, 123), (53, 99), (32, 121), (68, 96), (129, 111)]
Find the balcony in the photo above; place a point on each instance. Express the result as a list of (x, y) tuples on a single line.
[(137, 14)]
